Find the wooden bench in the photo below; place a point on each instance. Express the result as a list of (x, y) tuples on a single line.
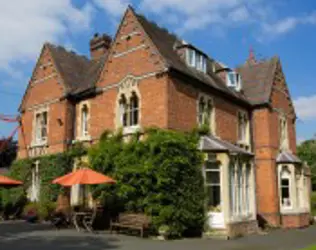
[(131, 220)]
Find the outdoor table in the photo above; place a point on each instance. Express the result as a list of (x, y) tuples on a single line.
[(77, 218)]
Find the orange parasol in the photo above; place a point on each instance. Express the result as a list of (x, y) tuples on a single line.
[(6, 181), (83, 176)]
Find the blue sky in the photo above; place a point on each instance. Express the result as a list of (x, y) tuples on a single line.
[(224, 29)]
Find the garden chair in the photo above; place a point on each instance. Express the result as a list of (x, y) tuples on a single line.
[(90, 218)]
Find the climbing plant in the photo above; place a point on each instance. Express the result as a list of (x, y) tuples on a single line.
[(159, 175)]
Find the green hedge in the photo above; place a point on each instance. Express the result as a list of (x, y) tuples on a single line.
[(160, 175)]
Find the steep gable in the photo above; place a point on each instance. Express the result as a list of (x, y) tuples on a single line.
[(45, 75), (73, 73), (131, 52), (257, 79)]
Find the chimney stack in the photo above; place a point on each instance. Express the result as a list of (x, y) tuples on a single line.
[(99, 46)]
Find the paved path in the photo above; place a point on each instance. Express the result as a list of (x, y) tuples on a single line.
[(19, 235)]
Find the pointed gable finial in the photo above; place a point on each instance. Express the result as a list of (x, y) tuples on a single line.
[(251, 58)]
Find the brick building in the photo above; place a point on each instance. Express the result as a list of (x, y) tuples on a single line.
[(146, 76)]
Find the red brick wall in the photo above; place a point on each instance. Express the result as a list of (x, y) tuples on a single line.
[(295, 220), (266, 140), (182, 110), (44, 89)]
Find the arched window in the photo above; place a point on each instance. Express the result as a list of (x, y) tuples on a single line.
[(134, 110), (205, 113), (84, 120), (123, 111), (201, 111)]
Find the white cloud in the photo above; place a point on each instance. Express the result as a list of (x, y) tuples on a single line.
[(113, 7), (199, 14), (305, 107), (288, 24), (25, 25), (240, 14)]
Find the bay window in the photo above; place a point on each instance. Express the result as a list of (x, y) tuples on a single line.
[(285, 187), (240, 188)]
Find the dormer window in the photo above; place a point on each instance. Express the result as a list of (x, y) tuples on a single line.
[(234, 80), (196, 60)]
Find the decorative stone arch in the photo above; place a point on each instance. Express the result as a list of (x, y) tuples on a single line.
[(127, 88)]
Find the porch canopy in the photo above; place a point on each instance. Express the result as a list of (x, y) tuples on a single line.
[(288, 157), (214, 144)]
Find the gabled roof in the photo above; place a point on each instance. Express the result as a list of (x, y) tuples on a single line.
[(166, 42), (78, 72), (257, 79), (288, 157), (213, 144)]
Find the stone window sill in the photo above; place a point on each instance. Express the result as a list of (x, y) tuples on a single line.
[(241, 218), (131, 130), (39, 144), (294, 211), (86, 138)]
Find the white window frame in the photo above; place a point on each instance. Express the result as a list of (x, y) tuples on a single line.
[(40, 127), (196, 59), (84, 120), (241, 195), (235, 82), (211, 158), (285, 174)]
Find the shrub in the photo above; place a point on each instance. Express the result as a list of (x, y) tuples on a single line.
[(160, 175)]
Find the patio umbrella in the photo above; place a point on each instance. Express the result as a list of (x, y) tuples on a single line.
[(8, 182), (83, 176)]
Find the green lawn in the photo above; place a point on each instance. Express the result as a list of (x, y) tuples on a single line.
[(310, 248)]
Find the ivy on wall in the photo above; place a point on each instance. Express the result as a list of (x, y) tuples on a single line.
[(159, 175), (50, 167)]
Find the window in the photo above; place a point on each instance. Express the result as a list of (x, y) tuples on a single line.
[(234, 80), (283, 133), (242, 127), (129, 112), (197, 60), (41, 127), (240, 188), (212, 182), (247, 188), (285, 180), (133, 110), (123, 111), (84, 120), (206, 113)]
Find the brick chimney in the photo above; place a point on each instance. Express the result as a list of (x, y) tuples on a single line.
[(99, 45)]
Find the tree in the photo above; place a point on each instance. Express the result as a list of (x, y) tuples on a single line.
[(8, 152), (307, 153)]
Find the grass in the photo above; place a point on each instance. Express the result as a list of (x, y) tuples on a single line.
[(310, 248)]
